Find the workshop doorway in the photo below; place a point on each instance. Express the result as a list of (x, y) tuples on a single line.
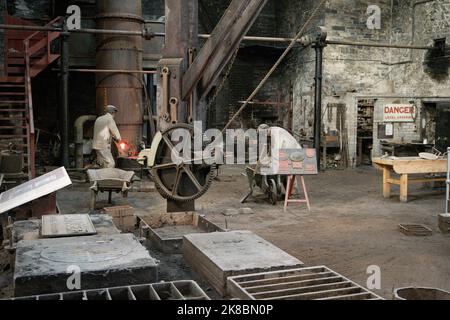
[(365, 125), (436, 125)]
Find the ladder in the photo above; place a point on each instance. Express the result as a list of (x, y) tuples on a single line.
[(27, 54)]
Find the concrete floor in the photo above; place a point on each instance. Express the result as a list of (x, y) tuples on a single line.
[(350, 227)]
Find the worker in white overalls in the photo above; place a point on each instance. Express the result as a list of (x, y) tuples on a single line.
[(105, 129)]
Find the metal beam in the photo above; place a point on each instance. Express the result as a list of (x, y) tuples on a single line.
[(148, 34), (218, 49)]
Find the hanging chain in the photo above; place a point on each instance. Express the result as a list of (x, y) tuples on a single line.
[(224, 80)]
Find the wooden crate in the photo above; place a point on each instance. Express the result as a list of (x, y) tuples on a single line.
[(217, 256), (315, 283), (123, 217)]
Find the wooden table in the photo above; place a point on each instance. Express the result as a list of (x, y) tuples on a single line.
[(405, 167)]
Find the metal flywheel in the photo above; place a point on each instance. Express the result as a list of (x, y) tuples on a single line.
[(179, 179)]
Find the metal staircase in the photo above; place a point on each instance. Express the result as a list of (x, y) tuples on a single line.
[(26, 55)]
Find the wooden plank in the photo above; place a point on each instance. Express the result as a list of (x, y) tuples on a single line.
[(215, 41), (218, 49), (413, 165), (230, 44), (422, 166)]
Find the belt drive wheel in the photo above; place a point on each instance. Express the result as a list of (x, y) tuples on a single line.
[(180, 182)]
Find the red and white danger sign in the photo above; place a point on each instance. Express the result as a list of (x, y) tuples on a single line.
[(399, 113)]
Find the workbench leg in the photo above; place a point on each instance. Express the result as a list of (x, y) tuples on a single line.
[(404, 188), (386, 184)]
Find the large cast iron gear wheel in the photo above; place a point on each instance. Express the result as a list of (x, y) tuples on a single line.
[(185, 181)]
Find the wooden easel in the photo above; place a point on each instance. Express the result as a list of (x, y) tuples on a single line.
[(290, 190)]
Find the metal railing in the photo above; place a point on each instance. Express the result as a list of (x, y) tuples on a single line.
[(41, 44)]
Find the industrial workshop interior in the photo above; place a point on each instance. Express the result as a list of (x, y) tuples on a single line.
[(243, 151)]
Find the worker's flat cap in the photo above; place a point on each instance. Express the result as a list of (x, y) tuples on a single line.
[(111, 109)]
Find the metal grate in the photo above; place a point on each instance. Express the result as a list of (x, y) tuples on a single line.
[(316, 283), (178, 290)]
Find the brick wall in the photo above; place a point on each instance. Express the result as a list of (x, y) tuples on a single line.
[(351, 73), (2, 39)]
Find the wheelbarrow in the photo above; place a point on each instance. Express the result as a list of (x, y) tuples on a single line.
[(272, 185), (109, 180)]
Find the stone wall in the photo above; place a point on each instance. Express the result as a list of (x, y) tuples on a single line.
[(352, 72)]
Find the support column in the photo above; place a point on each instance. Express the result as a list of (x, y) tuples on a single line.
[(65, 97), (319, 45), (181, 36)]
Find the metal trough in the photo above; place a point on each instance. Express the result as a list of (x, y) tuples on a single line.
[(165, 232)]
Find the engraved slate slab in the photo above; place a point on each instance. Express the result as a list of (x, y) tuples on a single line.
[(70, 225)]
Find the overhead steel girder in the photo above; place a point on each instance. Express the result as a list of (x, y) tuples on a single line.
[(219, 48)]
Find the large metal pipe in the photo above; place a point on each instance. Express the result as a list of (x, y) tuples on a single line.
[(124, 52)]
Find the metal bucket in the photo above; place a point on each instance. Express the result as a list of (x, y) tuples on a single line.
[(412, 293)]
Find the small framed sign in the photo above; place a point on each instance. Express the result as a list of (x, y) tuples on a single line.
[(386, 131), (399, 113)]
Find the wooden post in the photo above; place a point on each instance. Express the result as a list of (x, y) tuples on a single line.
[(386, 183), (404, 188)]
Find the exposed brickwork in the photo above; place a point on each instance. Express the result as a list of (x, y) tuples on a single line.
[(355, 72)]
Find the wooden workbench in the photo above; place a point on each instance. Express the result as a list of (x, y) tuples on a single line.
[(405, 167)]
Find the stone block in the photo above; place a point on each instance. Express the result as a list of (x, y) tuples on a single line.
[(44, 266)]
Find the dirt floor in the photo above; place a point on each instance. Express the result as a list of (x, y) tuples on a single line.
[(350, 227)]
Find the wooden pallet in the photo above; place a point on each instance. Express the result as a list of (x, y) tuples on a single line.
[(315, 283)]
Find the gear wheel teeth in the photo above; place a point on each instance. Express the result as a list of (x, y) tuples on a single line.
[(164, 190), (169, 196)]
